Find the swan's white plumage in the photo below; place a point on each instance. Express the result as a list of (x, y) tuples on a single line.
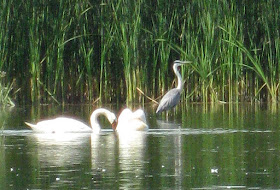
[(70, 125), (132, 121)]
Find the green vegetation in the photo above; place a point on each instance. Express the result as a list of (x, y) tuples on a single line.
[(5, 99), (82, 50)]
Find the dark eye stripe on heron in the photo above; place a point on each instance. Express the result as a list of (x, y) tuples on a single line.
[(172, 97)]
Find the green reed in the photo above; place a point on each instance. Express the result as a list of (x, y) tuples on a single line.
[(82, 51), (5, 91)]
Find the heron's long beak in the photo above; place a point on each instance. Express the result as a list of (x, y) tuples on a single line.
[(184, 62)]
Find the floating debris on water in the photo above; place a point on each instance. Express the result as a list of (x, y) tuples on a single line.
[(214, 170)]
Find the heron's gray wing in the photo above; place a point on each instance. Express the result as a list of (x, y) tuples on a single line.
[(169, 100)]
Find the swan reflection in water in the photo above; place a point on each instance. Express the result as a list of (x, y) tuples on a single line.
[(107, 156), (56, 156), (57, 150), (119, 155), (132, 148)]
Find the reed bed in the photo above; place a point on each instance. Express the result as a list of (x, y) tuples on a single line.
[(83, 51)]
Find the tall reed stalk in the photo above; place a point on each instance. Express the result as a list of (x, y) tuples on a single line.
[(82, 51)]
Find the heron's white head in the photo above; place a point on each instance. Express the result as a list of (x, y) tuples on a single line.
[(175, 68), (178, 62)]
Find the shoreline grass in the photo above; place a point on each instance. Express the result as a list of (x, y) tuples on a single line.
[(82, 51)]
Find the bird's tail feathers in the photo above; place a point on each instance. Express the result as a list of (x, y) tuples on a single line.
[(30, 125)]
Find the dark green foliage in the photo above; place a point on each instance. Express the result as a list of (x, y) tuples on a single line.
[(79, 51)]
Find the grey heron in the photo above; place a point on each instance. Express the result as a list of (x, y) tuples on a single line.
[(172, 97)]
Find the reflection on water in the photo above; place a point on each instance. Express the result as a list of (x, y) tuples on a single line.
[(131, 159), (60, 150), (59, 157), (103, 159), (202, 149), (119, 157)]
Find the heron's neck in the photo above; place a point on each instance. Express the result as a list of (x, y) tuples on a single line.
[(180, 82), (93, 119)]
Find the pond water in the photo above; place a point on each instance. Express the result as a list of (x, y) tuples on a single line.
[(194, 147)]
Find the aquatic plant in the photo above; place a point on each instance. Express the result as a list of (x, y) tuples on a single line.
[(5, 90), (83, 51)]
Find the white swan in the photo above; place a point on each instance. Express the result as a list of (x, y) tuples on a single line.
[(132, 121), (70, 125)]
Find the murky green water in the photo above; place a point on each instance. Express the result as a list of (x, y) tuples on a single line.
[(199, 147)]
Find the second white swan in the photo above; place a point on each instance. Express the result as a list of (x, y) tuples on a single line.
[(132, 121)]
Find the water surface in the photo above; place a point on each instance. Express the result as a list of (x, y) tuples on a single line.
[(196, 147)]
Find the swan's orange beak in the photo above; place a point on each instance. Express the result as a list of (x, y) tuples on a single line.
[(114, 125)]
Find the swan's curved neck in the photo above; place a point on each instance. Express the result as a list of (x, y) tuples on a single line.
[(180, 82), (93, 119)]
